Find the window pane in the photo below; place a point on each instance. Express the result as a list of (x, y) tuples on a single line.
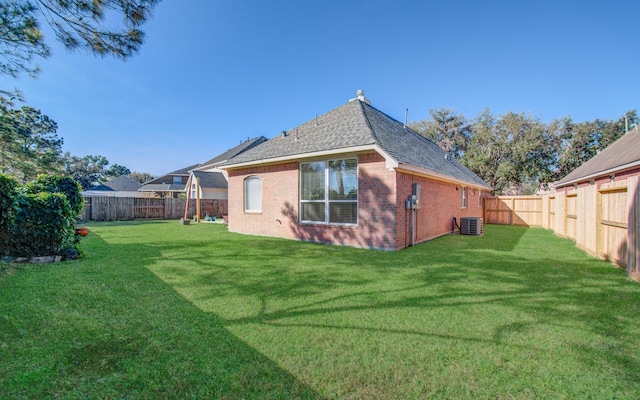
[(343, 179), (253, 194), (313, 212), (343, 213), (312, 177)]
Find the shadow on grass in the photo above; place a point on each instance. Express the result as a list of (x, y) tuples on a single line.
[(544, 281), (138, 337), (107, 327)]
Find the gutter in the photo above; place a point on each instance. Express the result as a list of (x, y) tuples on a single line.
[(299, 156), (427, 173)]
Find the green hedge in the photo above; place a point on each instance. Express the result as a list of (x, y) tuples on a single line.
[(58, 184), (8, 192), (39, 218)]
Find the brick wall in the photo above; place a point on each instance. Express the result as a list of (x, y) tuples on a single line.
[(440, 203), (279, 201), (383, 221)]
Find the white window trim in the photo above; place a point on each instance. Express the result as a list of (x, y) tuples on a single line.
[(464, 199), (244, 199)]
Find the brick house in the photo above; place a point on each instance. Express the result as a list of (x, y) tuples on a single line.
[(347, 178)]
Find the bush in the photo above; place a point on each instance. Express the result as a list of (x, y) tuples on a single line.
[(39, 218), (8, 192), (58, 184), (43, 225)]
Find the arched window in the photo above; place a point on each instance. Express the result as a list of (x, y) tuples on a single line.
[(253, 194)]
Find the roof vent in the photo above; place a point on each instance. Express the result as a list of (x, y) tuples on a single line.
[(360, 96)]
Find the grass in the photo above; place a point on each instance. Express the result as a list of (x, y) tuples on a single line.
[(161, 310)]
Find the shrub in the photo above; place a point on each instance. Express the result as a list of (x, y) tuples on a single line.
[(43, 225), (58, 184), (8, 192)]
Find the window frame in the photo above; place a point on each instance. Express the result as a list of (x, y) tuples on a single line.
[(479, 198), (327, 201), (464, 200), (247, 199)]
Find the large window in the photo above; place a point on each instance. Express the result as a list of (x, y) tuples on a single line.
[(329, 192), (253, 194)]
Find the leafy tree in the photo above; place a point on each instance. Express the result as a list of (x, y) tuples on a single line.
[(141, 177), (115, 171), (77, 24), (583, 140), (511, 152), (88, 170), (487, 154), (91, 170), (449, 130), (20, 38), (29, 143)]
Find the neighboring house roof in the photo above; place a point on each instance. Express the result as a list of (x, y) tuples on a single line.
[(359, 125), (167, 178), (622, 154), (242, 147), (165, 182), (211, 180), (120, 184), (162, 187)]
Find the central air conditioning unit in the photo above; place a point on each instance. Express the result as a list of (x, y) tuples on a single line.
[(471, 226)]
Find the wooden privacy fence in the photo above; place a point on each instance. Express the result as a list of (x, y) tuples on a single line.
[(130, 208), (513, 210), (603, 220)]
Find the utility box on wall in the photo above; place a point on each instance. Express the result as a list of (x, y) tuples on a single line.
[(414, 197)]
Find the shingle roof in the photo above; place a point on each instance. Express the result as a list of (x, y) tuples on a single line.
[(244, 146), (121, 184), (354, 124), (168, 176), (162, 187), (184, 171), (212, 180), (617, 155)]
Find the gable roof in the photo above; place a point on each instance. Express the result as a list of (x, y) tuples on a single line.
[(242, 147), (622, 154), (120, 184), (211, 180), (165, 182), (182, 171), (354, 125)]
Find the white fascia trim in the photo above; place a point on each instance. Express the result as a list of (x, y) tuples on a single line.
[(297, 157), (620, 168), (437, 176)]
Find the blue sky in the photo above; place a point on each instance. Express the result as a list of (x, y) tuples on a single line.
[(214, 73)]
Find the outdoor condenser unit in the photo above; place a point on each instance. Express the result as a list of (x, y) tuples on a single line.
[(471, 226)]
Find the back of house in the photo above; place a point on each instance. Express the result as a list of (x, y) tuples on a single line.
[(353, 176)]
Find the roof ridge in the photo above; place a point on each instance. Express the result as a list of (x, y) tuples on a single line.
[(366, 119)]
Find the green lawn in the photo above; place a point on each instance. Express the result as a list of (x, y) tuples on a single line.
[(162, 310)]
